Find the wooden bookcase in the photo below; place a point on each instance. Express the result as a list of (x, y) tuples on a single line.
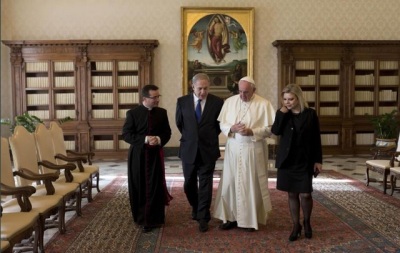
[(345, 82), (93, 81)]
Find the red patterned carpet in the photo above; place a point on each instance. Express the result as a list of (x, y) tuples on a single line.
[(347, 217)]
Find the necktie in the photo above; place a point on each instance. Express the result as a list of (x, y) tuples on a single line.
[(198, 110)]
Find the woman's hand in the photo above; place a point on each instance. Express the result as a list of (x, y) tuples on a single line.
[(284, 109)]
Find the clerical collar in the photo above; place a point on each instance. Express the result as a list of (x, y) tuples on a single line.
[(148, 108)]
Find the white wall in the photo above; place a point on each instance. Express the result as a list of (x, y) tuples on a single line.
[(160, 19)]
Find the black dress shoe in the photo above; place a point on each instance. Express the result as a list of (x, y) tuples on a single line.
[(194, 215), (146, 229), (228, 225), (250, 229), (307, 229), (203, 226), (296, 233)]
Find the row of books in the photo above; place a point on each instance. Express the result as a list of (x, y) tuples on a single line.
[(365, 138), (363, 95), (369, 110), (122, 65), (104, 144), (335, 65), (107, 81), (102, 98), (65, 98), (37, 82), (364, 65), (329, 111), (64, 81), (308, 80), (104, 65), (329, 79), (43, 82), (128, 81), (324, 96), (37, 99), (329, 96), (69, 145), (41, 114), (365, 79), (37, 67), (128, 98), (123, 144), (330, 139), (102, 114), (364, 110), (64, 66), (100, 144), (370, 80), (324, 65), (389, 65), (128, 65), (387, 95), (61, 114)]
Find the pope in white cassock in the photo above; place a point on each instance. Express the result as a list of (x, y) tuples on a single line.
[(243, 198)]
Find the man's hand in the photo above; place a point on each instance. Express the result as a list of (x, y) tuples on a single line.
[(153, 140)]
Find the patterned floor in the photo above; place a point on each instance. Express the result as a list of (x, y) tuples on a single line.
[(350, 166)]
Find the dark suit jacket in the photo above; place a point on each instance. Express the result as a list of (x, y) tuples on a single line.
[(309, 136), (202, 136)]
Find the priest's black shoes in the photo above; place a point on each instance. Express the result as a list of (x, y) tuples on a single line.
[(228, 225), (146, 229), (149, 228), (203, 226)]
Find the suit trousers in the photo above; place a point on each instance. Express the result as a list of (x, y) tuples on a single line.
[(198, 187)]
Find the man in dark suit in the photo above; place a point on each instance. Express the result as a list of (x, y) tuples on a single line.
[(199, 148)]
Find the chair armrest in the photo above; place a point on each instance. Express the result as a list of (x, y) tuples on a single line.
[(88, 155), (21, 193), (66, 167), (376, 151), (79, 160), (46, 178), (395, 159)]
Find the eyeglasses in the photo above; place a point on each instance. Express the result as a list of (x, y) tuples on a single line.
[(154, 97)]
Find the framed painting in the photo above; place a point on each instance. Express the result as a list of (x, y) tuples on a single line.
[(218, 42)]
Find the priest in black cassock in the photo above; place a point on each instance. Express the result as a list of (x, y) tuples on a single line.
[(147, 130)]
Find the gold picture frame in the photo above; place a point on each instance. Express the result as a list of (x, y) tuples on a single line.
[(218, 42)]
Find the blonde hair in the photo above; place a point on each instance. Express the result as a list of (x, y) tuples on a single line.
[(296, 90)]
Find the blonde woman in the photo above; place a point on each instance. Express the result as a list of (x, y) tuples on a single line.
[(299, 155)]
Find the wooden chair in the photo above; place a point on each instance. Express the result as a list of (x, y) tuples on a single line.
[(23, 148), (5, 247), (82, 159), (382, 167), (46, 152), (19, 226), (394, 171), (44, 205)]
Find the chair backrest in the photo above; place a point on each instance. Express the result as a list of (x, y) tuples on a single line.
[(7, 176), (44, 146), (23, 150), (58, 140), (398, 143)]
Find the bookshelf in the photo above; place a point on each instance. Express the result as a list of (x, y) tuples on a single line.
[(95, 82), (345, 82)]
